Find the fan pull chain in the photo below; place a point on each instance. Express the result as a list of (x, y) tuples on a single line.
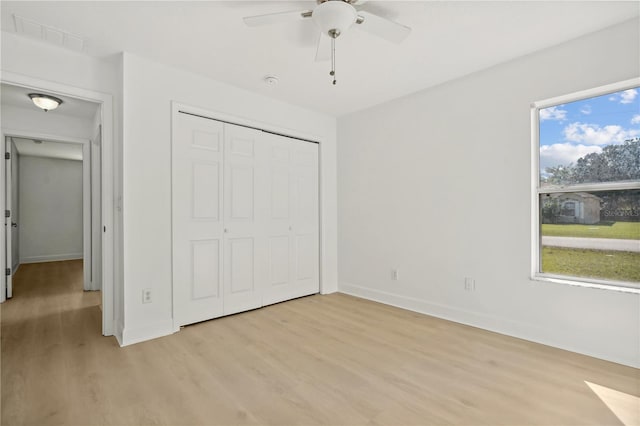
[(333, 60)]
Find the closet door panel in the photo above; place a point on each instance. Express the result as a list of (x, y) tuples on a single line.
[(305, 220), (241, 186), (246, 203), (197, 156), (293, 269), (239, 260), (205, 282)]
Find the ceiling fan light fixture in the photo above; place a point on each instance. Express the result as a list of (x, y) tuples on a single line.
[(334, 17), (45, 102)]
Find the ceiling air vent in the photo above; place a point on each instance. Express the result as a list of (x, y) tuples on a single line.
[(58, 37)]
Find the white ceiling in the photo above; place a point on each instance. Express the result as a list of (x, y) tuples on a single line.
[(19, 97), (449, 39), (49, 149)]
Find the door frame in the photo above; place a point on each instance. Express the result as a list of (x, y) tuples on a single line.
[(176, 107), (105, 102), (86, 189), (7, 200)]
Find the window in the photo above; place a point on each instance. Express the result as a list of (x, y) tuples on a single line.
[(568, 209), (586, 221)]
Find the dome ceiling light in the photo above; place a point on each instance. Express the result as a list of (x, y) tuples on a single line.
[(45, 102)]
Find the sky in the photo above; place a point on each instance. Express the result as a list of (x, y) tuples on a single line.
[(573, 130)]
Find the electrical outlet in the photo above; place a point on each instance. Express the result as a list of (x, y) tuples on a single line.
[(469, 284), (146, 295), (395, 275)]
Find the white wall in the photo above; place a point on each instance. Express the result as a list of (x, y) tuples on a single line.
[(39, 122), (50, 217), (148, 91), (34, 58), (437, 184)]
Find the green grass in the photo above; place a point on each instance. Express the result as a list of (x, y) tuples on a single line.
[(601, 264), (623, 230)]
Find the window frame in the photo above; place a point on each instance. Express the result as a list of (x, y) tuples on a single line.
[(536, 190)]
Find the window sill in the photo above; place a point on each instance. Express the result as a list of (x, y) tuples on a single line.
[(623, 287)]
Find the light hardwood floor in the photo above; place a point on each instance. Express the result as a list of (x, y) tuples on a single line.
[(317, 360)]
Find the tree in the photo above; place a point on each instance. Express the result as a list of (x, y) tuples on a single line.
[(550, 209), (614, 163)]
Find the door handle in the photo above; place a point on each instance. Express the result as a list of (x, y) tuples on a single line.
[(14, 225)]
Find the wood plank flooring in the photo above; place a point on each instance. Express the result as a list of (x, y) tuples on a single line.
[(319, 360)]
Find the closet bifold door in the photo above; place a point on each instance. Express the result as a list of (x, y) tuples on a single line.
[(245, 218), (245, 206), (197, 218), (293, 220)]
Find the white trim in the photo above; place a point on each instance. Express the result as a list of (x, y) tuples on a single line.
[(536, 190), (132, 336), (118, 332), (536, 239), (623, 287), (51, 258), (588, 93), (3, 255), (6, 286), (321, 246), (584, 187), (496, 324), (106, 110), (25, 134)]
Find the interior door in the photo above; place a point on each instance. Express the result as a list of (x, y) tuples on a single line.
[(245, 201), (293, 230), (15, 212), (9, 215), (87, 252), (96, 211), (197, 169)]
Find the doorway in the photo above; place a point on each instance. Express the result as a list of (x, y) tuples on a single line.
[(54, 205), (78, 131)]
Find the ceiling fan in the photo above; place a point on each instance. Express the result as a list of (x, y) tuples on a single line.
[(333, 18)]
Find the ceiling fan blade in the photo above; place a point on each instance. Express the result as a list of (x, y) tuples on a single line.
[(323, 52), (384, 28), (274, 18)]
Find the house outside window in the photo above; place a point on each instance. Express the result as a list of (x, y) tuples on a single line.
[(586, 187)]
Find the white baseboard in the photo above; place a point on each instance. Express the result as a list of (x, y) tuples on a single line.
[(131, 336), (484, 321), (51, 258), (118, 328)]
